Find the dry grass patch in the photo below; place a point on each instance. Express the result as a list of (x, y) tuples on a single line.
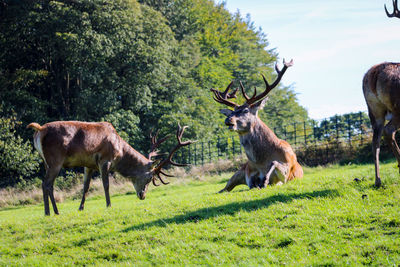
[(118, 185)]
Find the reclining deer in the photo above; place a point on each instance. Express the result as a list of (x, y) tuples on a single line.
[(381, 88), (270, 159), (97, 146)]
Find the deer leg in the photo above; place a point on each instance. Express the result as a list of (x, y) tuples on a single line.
[(377, 118), (254, 182), (390, 137), (376, 138), (48, 189), (265, 180), (104, 172), (237, 179), (45, 198), (277, 173), (86, 182)]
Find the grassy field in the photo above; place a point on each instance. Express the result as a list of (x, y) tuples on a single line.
[(327, 218)]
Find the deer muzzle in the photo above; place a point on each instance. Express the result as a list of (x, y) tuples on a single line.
[(229, 122), (141, 195)]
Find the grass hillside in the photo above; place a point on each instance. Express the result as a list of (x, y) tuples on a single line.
[(327, 218)]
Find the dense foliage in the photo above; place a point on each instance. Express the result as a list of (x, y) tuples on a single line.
[(17, 161), (139, 64)]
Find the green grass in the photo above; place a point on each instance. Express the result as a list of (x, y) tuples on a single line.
[(326, 218)]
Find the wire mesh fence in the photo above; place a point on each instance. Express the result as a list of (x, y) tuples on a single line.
[(336, 132)]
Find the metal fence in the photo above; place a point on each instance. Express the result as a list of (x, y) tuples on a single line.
[(349, 129)]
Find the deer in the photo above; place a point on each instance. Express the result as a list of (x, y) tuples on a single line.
[(270, 159), (381, 89), (96, 146)]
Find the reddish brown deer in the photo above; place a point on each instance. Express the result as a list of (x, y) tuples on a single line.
[(381, 88), (270, 159), (96, 146)]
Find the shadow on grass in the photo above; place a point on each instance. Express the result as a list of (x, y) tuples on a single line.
[(207, 213), (232, 208)]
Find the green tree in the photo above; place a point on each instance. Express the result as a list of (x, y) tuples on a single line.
[(140, 64), (17, 160)]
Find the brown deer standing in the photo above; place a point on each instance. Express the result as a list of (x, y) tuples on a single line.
[(381, 88), (270, 159), (96, 146)]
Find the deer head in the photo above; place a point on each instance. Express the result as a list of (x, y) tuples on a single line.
[(158, 165), (396, 12), (244, 116)]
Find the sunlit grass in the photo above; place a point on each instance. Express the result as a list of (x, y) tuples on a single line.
[(327, 218)]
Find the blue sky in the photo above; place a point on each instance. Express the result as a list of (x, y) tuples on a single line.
[(332, 43)]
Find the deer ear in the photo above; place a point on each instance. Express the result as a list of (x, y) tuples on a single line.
[(259, 105), (226, 112)]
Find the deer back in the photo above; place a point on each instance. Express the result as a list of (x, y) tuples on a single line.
[(74, 143), (381, 87)]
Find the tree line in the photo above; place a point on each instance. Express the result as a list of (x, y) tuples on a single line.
[(140, 65)]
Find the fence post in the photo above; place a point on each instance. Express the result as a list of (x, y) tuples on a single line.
[(349, 129), (305, 133), (337, 130)]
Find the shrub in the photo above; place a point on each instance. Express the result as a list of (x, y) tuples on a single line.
[(17, 160)]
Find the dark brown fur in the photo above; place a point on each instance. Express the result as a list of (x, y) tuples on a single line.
[(270, 159), (93, 145), (381, 88)]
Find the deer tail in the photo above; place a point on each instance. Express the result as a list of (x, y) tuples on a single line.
[(35, 126)]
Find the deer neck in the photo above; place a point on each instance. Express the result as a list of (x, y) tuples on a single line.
[(132, 163), (258, 141)]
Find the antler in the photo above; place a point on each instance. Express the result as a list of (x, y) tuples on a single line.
[(222, 97), (255, 98), (158, 169), (155, 144), (244, 93), (396, 12)]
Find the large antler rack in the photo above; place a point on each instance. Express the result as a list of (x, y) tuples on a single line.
[(158, 170), (255, 98), (396, 12), (222, 97)]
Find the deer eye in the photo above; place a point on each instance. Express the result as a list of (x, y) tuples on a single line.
[(246, 111)]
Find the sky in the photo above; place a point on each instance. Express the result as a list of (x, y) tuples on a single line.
[(332, 43)]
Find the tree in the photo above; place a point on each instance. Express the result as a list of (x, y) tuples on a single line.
[(141, 65), (17, 160)]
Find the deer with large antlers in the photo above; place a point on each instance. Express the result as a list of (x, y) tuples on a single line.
[(270, 159), (381, 88), (96, 146)]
